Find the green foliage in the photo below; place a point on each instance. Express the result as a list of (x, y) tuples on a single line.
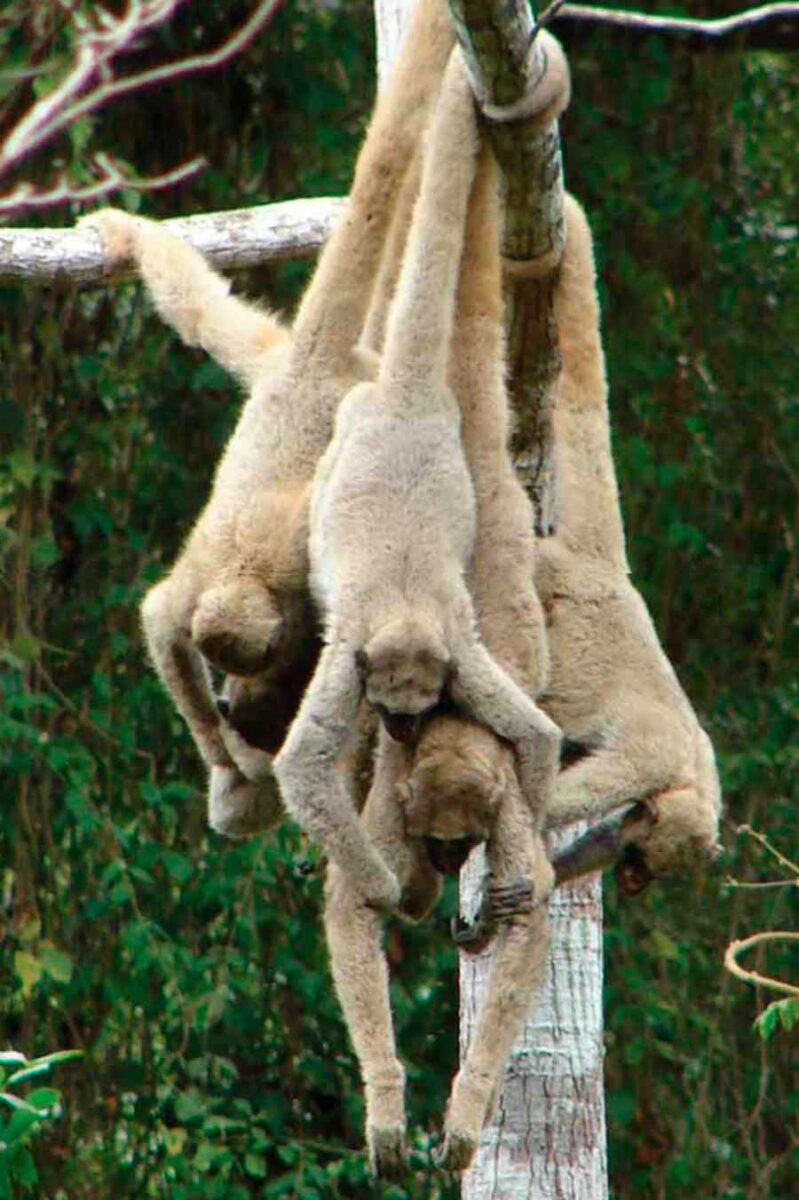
[(780, 1014), (192, 971), (22, 1116)]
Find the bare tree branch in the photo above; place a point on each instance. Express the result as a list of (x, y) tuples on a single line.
[(754, 977), (110, 177), (90, 84), (767, 17), (231, 240)]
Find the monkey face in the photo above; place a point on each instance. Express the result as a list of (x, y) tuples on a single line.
[(261, 707), (405, 669), (451, 798)]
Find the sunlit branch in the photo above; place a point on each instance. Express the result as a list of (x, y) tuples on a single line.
[(754, 977)]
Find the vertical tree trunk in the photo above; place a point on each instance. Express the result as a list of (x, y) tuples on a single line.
[(547, 1141)]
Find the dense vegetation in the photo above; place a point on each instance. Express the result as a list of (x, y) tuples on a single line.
[(192, 971)]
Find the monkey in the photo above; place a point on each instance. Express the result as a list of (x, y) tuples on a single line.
[(632, 733), (237, 598), (392, 530), (425, 832)]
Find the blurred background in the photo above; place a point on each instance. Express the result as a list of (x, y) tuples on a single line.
[(192, 971)]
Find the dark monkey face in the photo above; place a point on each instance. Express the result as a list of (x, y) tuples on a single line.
[(449, 854), (260, 707)]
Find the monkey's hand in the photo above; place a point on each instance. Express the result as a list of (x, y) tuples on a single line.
[(238, 807), (501, 904), (119, 233)]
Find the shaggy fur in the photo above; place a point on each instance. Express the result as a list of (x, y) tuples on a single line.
[(237, 597), (392, 533), (611, 689), (464, 788)]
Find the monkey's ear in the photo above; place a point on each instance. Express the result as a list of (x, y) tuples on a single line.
[(361, 663)]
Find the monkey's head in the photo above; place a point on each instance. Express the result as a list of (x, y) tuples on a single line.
[(456, 784), (235, 626), (260, 707), (405, 668)]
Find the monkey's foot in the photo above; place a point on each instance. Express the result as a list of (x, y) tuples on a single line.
[(388, 1154), (502, 903), (456, 1150)]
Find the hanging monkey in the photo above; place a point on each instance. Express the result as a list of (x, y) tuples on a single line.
[(631, 732), (392, 535), (237, 597), (427, 834)]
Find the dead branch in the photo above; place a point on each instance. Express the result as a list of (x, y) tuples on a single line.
[(231, 240), (90, 85), (766, 25)]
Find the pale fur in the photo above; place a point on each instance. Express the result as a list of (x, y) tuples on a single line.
[(464, 783), (392, 532), (611, 689), (238, 593)]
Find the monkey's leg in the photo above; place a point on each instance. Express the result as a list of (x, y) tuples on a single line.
[(313, 789), (360, 971), (493, 698), (605, 780), (520, 951), (189, 295)]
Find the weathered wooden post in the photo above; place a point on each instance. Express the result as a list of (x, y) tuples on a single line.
[(547, 1141)]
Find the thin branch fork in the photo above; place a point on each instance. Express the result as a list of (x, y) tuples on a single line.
[(90, 84), (740, 946)]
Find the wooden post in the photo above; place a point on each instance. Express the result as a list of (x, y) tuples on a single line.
[(547, 1141)]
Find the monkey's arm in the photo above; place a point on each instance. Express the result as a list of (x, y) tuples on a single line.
[(358, 961), (314, 792), (188, 294), (491, 697), (335, 305), (514, 853), (237, 804), (182, 670)]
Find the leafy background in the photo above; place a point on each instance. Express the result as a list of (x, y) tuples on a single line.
[(192, 971)]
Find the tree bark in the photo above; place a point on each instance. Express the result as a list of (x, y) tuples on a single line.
[(548, 1138)]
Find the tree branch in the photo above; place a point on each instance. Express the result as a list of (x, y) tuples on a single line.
[(767, 25), (89, 83), (231, 240), (754, 977)]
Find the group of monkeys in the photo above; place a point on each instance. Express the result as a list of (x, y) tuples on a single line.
[(402, 656)]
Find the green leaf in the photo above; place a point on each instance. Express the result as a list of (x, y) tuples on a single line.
[(29, 969), (56, 963), (15, 1102), (44, 1098)]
